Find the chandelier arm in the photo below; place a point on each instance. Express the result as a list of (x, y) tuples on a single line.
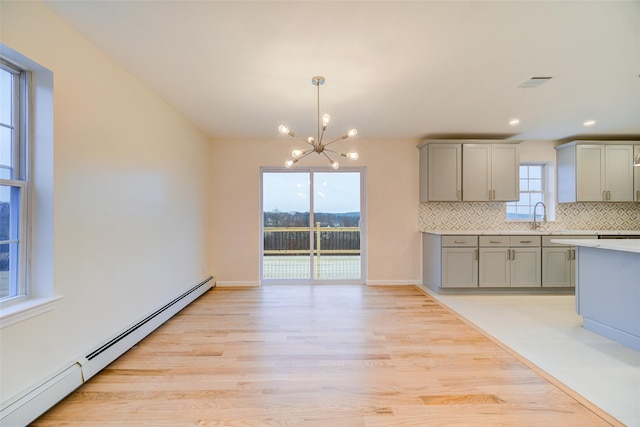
[(335, 140), (305, 154), (303, 140), (321, 135), (328, 158)]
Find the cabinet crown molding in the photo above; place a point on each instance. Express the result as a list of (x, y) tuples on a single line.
[(468, 141)]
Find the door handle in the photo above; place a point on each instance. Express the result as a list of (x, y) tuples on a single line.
[(513, 256), (573, 254)]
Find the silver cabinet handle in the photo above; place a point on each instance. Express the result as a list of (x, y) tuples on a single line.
[(458, 241), (475, 253), (494, 195), (513, 256), (495, 241), (573, 254), (525, 241), (608, 195)]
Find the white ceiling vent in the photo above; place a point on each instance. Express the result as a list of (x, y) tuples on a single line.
[(534, 81)]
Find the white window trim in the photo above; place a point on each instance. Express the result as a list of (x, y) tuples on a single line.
[(39, 260), (549, 193)]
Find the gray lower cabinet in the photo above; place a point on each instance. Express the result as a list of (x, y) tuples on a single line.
[(510, 261), (459, 261), (558, 262), (498, 261)]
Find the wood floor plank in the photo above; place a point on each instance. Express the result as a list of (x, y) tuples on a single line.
[(309, 356)]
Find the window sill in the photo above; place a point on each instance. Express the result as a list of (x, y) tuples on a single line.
[(26, 309)]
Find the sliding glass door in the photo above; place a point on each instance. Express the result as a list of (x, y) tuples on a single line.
[(312, 226)]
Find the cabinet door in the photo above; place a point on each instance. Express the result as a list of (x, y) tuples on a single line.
[(445, 172), (505, 172), (476, 172), (494, 268), (526, 265), (459, 267), (590, 176), (619, 173), (557, 267), (636, 175)]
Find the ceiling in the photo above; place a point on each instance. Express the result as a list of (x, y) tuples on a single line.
[(393, 69)]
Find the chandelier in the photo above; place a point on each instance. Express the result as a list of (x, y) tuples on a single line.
[(317, 144)]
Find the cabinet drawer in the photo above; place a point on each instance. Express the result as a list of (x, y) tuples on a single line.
[(490, 241), (525, 240), (459, 241)]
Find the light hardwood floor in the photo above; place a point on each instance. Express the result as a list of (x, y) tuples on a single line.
[(330, 355)]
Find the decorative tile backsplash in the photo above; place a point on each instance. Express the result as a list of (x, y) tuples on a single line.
[(492, 216)]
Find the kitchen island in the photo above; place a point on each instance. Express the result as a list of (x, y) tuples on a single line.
[(608, 287)]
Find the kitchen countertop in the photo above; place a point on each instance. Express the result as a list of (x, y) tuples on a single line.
[(628, 245), (535, 233)]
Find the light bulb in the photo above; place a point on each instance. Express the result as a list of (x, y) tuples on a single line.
[(296, 153), (311, 140), (335, 165), (325, 119), (352, 132), (352, 156), (288, 163), (284, 129)]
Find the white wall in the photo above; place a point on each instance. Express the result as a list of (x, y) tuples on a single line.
[(392, 193), (131, 200)]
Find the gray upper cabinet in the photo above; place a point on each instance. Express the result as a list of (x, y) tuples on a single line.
[(595, 171), (451, 171), (636, 175), (490, 172), (441, 173)]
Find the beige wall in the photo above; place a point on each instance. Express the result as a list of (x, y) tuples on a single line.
[(132, 190), (392, 200)]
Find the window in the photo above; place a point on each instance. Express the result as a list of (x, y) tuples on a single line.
[(13, 181), (532, 190)]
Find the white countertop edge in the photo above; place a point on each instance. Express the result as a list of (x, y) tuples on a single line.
[(534, 233), (629, 245)]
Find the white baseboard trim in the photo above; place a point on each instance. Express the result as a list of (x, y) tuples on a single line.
[(238, 284), (33, 402), (393, 282)]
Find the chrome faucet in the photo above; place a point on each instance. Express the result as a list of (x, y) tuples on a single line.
[(536, 224)]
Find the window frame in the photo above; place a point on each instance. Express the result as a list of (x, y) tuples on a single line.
[(19, 180), (544, 178)]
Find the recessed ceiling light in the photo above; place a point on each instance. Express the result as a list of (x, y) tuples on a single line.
[(589, 122), (514, 122)]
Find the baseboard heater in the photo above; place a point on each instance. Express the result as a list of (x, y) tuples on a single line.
[(36, 401)]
